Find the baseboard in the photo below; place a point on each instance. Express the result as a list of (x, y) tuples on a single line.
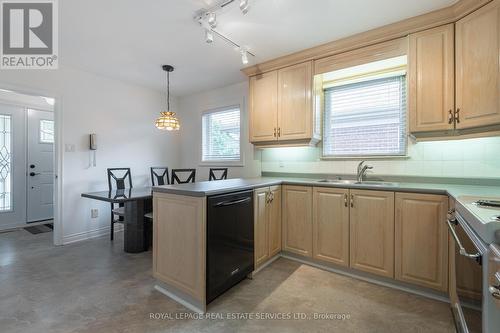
[(180, 297), (386, 282), (84, 235)]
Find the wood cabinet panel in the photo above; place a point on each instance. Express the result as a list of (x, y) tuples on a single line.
[(275, 221), (263, 106), (179, 242), (297, 219), (421, 240), (295, 102), (331, 225), (372, 232), (261, 217), (431, 79), (478, 67)]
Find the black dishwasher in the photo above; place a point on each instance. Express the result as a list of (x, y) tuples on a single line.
[(230, 241)]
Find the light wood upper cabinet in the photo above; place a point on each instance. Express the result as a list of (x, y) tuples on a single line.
[(331, 225), (261, 217), (295, 102), (275, 221), (281, 107), (431, 79), (297, 219), (263, 106), (421, 236), (478, 68), (372, 231)]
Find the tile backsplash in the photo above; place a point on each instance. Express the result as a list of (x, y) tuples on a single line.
[(474, 158)]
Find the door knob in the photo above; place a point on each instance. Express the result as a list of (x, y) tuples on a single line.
[(33, 174)]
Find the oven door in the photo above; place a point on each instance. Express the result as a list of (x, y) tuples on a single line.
[(466, 281)]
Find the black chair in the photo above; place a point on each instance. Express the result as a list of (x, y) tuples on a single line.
[(190, 177), (159, 175), (120, 176), (212, 176)]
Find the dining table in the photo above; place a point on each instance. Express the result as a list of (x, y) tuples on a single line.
[(137, 202)]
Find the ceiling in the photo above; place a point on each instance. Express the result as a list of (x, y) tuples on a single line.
[(129, 40)]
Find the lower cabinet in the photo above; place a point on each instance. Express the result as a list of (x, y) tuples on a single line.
[(372, 231), (421, 240), (331, 225), (297, 219), (267, 226)]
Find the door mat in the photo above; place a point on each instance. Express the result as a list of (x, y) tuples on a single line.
[(39, 229)]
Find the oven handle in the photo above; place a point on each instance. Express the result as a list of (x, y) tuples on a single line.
[(230, 203), (462, 250)]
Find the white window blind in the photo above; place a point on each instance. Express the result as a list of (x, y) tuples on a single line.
[(221, 135), (366, 118)]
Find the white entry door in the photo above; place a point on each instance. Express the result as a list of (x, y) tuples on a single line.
[(40, 166), (12, 166)]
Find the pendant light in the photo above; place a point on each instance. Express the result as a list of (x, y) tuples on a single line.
[(167, 120)]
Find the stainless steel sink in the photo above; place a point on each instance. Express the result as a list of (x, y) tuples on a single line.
[(354, 182), (376, 183)]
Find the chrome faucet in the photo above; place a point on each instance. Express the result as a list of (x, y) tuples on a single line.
[(362, 171)]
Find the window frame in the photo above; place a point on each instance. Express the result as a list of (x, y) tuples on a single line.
[(404, 155), (222, 163)]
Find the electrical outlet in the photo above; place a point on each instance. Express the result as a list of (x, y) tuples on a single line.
[(281, 164), (94, 213)]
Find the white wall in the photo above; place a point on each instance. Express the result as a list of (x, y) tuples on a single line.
[(469, 158), (190, 110), (122, 115)]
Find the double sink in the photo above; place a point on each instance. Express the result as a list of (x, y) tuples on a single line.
[(355, 182)]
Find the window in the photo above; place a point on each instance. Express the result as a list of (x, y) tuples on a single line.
[(46, 131), (221, 135), (366, 117), (5, 163)]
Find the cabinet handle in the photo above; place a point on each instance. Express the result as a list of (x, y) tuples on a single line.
[(352, 200), (279, 132), (457, 116), (345, 199), (450, 117)]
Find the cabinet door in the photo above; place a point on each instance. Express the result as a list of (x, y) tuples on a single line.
[(275, 221), (263, 106), (421, 236), (431, 79), (477, 67), (331, 225), (372, 232), (295, 102), (261, 217), (297, 219)]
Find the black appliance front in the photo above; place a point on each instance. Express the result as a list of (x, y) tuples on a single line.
[(230, 241)]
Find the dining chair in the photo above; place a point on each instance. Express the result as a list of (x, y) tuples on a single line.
[(120, 177), (191, 175), (159, 176), (212, 174)]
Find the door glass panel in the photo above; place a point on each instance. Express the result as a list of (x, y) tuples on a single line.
[(5, 163), (46, 131)]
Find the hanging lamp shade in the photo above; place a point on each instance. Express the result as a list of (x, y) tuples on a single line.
[(167, 120)]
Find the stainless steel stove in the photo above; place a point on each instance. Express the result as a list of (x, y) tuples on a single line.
[(475, 230)]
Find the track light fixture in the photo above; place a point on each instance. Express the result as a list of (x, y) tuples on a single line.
[(212, 19), (244, 55), (244, 6), (209, 36)]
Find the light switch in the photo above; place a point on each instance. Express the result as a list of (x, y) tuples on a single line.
[(69, 148)]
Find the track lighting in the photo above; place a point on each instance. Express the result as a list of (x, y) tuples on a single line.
[(244, 5), (209, 36), (244, 56), (212, 19)]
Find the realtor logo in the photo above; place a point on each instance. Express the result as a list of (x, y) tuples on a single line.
[(29, 34)]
